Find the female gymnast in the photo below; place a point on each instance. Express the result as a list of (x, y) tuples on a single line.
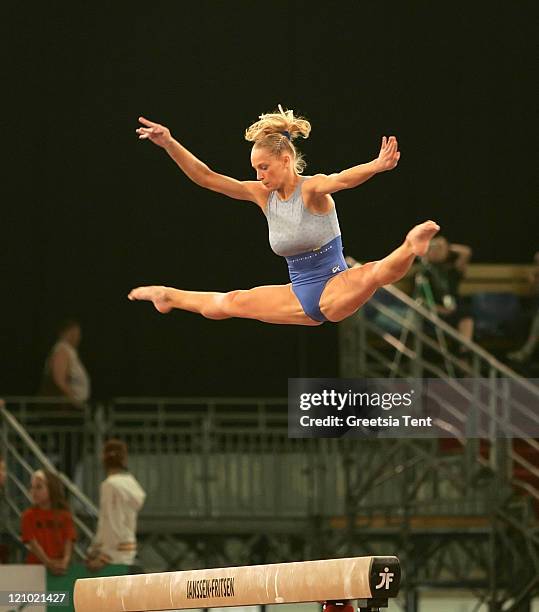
[(303, 227)]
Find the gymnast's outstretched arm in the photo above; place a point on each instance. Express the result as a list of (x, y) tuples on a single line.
[(387, 159), (197, 170)]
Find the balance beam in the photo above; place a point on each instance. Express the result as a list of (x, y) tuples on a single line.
[(369, 579)]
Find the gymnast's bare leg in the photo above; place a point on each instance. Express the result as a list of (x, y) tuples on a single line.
[(347, 292), (270, 303)]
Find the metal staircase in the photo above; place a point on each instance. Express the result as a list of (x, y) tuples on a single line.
[(23, 456), (396, 337)]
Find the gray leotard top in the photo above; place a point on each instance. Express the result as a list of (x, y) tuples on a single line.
[(293, 229)]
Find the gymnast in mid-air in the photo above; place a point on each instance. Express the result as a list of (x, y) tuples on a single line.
[(303, 228)]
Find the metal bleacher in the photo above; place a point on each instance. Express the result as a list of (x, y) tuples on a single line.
[(227, 486), (397, 337)]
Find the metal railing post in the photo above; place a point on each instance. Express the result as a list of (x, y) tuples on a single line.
[(362, 345)]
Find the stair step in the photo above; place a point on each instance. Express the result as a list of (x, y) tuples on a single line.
[(526, 476), (451, 445), (518, 442), (529, 453)]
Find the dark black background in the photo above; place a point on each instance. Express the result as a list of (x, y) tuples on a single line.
[(88, 211)]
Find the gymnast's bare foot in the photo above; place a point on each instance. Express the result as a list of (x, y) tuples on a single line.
[(160, 296), (418, 237)]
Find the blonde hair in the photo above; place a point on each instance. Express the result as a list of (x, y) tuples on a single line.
[(276, 131)]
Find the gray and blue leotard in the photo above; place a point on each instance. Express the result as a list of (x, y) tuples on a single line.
[(310, 243)]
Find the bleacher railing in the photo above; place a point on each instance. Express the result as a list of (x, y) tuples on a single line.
[(23, 455), (399, 337), (213, 457)]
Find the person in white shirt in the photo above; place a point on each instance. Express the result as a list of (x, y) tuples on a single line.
[(121, 498)]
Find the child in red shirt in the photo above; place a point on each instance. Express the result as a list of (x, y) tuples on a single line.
[(47, 527)]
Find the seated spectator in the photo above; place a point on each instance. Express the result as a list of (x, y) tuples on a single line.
[(47, 527), (525, 353), (438, 280), (121, 498)]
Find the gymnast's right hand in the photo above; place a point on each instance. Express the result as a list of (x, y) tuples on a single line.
[(158, 134)]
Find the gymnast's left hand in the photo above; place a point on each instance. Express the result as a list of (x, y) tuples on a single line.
[(389, 154)]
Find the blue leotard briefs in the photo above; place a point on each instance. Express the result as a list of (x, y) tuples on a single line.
[(310, 272)]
